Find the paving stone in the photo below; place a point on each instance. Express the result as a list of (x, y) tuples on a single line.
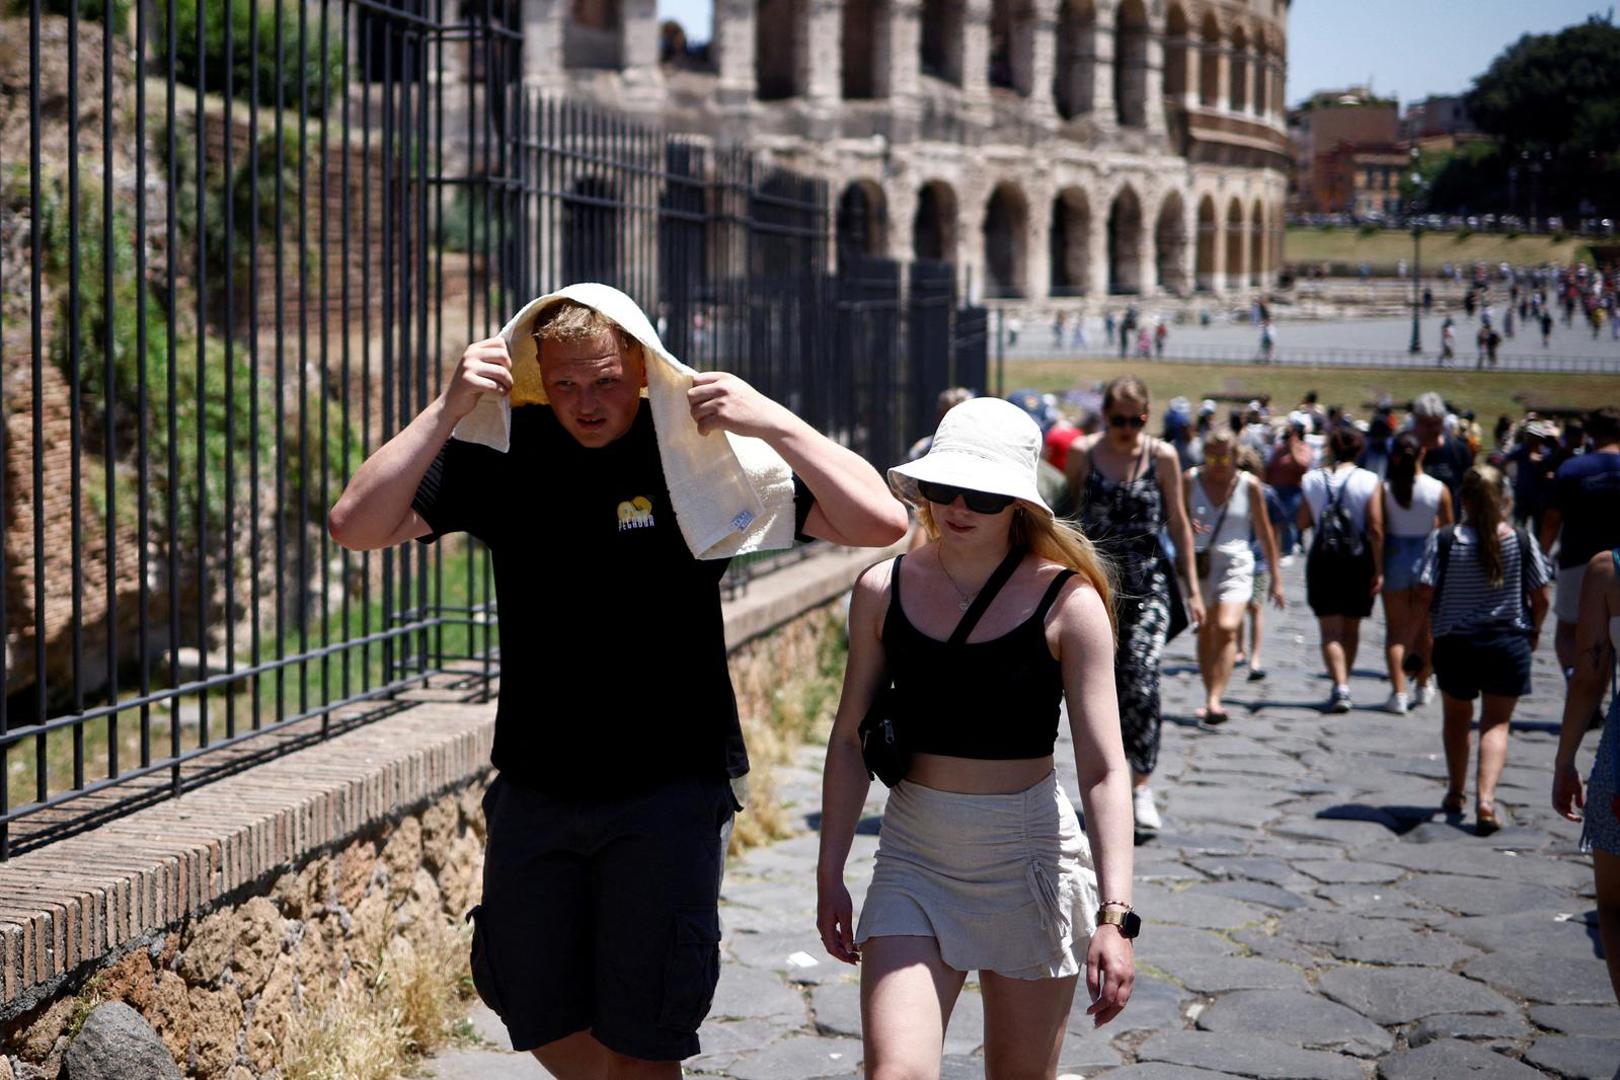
[(1467, 1026), (1401, 945), (1601, 1020), (837, 1008), (745, 993), (1268, 869), (1449, 1059), (1555, 979), (1276, 947), (1257, 892), (1297, 1018), (1198, 908), (1155, 1005), (1247, 1055), (1348, 833), (1485, 862), (1163, 941), (1345, 872), (800, 1057), (1090, 1050), (1579, 1057), (1159, 1070), (1541, 932), (1326, 927), (459, 1062), (1463, 895), (1401, 995), (966, 1031), (1217, 974), (733, 1036), (770, 950)]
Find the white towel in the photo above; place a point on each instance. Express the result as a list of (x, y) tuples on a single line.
[(732, 494)]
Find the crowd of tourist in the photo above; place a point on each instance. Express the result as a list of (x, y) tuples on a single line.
[(1533, 301)]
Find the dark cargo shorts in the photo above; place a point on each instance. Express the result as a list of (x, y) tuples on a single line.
[(602, 915)]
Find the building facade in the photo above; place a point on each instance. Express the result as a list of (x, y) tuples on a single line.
[(1054, 151)]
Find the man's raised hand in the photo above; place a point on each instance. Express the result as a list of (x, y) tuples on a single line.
[(485, 368), (721, 401)]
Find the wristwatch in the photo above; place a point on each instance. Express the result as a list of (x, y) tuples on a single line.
[(1129, 923)]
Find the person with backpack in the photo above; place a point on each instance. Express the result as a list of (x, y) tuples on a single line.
[(1415, 505), (1344, 566), (1486, 587)]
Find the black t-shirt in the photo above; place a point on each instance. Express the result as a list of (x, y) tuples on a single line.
[(613, 653), (1447, 463), (1586, 492)]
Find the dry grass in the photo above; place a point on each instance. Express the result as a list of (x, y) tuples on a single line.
[(1385, 248), (388, 1012)]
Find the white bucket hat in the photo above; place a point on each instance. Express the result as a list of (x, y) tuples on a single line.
[(985, 444)]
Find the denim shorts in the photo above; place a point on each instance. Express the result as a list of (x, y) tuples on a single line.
[(1403, 558), (602, 915), (1495, 662)]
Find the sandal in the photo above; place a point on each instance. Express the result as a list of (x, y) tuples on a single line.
[(1452, 803), (1485, 821), (1214, 719), (1256, 674)]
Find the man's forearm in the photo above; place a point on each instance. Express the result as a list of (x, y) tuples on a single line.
[(852, 496), (379, 494)]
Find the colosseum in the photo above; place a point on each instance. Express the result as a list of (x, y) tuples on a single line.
[(1058, 152)]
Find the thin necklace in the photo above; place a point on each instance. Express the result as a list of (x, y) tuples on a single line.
[(966, 597)]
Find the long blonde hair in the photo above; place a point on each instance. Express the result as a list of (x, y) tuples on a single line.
[(1055, 540), (1481, 495)]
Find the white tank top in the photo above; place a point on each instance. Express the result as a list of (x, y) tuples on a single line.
[(1417, 519), (1233, 537)]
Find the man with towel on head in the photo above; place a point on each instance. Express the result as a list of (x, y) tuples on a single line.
[(611, 506)]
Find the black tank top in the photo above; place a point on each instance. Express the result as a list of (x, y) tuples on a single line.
[(991, 700)]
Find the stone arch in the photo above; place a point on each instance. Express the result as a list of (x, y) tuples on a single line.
[(593, 37), (777, 27), (1125, 242), (862, 220), (1209, 68), (933, 227), (1237, 89), (1130, 64), (1170, 244), (1177, 53), (1257, 243), (1208, 245), (858, 40), (1071, 243), (1075, 72), (940, 47), (1012, 45), (1006, 227), (591, 231), (1235, 236)]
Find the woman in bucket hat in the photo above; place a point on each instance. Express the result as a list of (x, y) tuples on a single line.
[(983, 866)]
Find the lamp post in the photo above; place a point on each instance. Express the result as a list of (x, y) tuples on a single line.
[(1412, 202)]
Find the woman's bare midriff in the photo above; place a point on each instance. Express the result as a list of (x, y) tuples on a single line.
[(973, 776)]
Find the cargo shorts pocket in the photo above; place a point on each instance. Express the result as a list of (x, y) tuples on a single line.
[(483, 976), (692, 969)]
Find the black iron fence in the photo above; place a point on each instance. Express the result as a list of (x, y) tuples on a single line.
[(240, 244)]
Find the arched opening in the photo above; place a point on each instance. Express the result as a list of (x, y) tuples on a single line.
[(1176, 52), (1170, 245), (1257, 243), (862, 220), (859, 45), (1260, 100), (933, 229), (1209, 69), (776, 46), (1075, 72), (1237, 91), (1071, 244), (1234, 245), (594, 34), (1208, 237), (1012, 45), (679, 49), (1130, 64), (942, 35), (1006, 219), (1125, 244), (590, 231)]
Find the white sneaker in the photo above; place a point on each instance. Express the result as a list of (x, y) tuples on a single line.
[(1147, 815), (1396, 704), (1339, 700), (1425, 693)]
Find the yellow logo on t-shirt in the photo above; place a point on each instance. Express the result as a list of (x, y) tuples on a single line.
[(636, 514)]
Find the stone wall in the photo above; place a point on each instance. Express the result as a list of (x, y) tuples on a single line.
[(232, 917)]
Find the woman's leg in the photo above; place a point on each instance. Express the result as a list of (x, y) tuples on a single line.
[(1494, 713), (1352, 643), (1606, 871), (1257, 632), (1332, 628), (1456, 735), (1024, 1021), (1136, 680), (1397, 625), (907, 994), (1224, 622)]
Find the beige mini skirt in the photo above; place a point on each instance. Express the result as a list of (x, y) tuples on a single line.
[(1004, 883)]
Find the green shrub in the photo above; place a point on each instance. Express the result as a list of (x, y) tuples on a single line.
[(1369, 230), (89, 10), (282, 78)]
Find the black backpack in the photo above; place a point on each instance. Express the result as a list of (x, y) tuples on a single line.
[(1337, 537)]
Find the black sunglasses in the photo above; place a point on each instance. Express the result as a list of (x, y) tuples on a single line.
[(980, 502), (1127, 421)]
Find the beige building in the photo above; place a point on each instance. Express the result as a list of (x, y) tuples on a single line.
[(1053, 150)]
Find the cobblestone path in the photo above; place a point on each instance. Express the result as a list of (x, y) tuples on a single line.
[(1309, 912)]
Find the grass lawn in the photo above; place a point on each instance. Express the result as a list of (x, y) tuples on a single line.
[(1385, 248), (1488, 393)]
